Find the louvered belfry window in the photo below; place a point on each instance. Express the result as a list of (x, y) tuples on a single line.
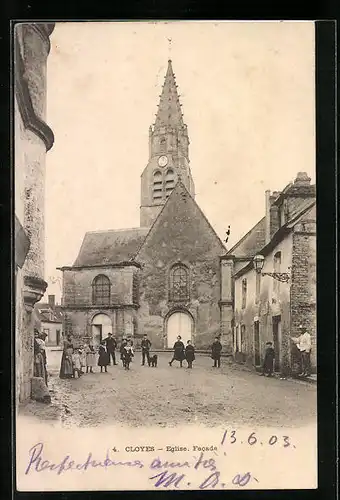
[(101, 289), (157, 186)]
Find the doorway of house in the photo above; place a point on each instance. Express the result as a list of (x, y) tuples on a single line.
[(277, 342), (179, 323), (101, 327), (257, 354), (58, 337)]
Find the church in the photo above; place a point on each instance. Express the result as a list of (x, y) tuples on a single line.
[(168, 276)]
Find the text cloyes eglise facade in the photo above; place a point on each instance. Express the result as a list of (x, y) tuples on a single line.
[(164, 278)]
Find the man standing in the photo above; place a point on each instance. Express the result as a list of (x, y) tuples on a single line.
[(268, 362), (304, 344), (111, 345), (145, 345), (216, 349)]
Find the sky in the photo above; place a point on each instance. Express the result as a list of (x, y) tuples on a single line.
[(248, 98)]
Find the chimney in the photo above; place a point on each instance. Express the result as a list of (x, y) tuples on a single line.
[(267, 220), (51, 301), (302, 179)]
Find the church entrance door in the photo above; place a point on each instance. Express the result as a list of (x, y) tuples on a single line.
[(101, 327), (179, 323)]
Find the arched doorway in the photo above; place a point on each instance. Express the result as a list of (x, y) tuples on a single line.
[(101, 327), (179, 323)]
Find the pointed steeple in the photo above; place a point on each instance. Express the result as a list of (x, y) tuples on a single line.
[(168, 153), (169, 109)]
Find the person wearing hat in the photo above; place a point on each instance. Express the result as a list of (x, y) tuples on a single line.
[(304, 344), (145, 345), (111, 345)]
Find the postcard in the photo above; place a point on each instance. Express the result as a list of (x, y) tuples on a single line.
[(165, 256)]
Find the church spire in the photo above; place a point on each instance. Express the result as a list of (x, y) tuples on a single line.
[(169, 109)]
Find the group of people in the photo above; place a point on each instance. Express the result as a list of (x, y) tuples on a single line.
[(79, 360), (76, 361), (304, 345), (187, 352)]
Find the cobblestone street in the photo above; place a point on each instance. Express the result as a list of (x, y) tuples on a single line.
[(169, 396)]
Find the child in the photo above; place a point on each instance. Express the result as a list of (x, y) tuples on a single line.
[(127, 355), (103, 359), (268, 362), (122, 350), (76, 361), (83, 357), (216, 349), (189, 353), (90, 358)]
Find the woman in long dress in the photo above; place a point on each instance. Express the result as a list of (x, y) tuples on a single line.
[(103, 359), (39, 357), (179, 351), (66, 367)]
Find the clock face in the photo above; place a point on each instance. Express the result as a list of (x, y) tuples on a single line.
[(162, 161)]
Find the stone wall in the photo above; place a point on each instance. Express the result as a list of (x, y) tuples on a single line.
[(272, 301), (77, 285), (78, 307), (304, 283), (32, 139)]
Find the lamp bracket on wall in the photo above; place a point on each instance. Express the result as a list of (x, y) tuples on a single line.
[(283, 277)]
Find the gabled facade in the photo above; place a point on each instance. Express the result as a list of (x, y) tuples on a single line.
[(163, 278), (266, 309)]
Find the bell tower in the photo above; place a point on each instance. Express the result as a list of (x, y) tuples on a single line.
[(168, 153)]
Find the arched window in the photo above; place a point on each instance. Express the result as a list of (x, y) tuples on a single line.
[(169, 182), (162, 144), (179, 283), (157, 186), (101, 289)]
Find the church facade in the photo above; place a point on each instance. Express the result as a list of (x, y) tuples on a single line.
[(166, 277)]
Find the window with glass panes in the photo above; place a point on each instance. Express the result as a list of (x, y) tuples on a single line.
[(101, 288)]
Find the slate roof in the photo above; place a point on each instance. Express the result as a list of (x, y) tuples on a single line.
[(110, 247), (252, 242), (307, 208), (43, 310)]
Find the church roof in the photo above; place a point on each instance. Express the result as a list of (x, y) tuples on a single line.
[(169, 109), (110, 247)]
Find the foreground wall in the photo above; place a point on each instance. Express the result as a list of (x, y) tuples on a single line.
[(33, 138)]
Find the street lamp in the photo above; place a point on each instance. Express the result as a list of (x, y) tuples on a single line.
[(258, 263)]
